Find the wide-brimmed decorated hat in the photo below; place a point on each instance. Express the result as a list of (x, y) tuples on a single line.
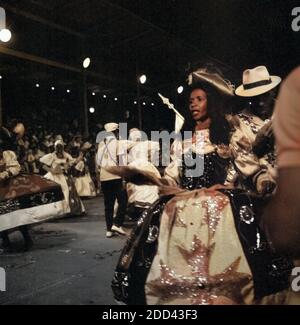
[(214, 79), (256, 82)]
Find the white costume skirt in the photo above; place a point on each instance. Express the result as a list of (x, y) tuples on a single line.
[(85, 186), (29, 199)]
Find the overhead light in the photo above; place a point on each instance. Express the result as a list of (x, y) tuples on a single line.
[(152, 104), (5, 35), (68, 91), (135, 102), (52, 88), (0, 77), (92, 110), (116, 99), (94, 94), (37, 85), (144, 104), (180, 89), (104, 96), (86, 63), (143, 79)]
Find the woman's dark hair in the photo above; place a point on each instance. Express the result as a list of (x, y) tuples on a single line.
[(216, 110)]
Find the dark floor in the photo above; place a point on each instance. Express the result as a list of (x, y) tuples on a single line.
[(72, 262)]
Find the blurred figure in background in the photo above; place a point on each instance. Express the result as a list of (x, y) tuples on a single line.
[(58, 165), (83, 182), (112, 185), (141, 155)]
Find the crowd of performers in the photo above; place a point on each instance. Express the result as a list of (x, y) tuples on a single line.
[(41, 178), (34, 145), (197, 238)]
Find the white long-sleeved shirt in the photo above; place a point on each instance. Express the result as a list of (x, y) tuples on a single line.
[(107, 156)]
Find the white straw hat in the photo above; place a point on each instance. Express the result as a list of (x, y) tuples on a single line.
[(256, 82)]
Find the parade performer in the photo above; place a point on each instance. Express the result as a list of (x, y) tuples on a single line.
[(200, 243), (58, 165)]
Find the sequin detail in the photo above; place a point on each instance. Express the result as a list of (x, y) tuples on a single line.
[(200, 288), (214, 207)]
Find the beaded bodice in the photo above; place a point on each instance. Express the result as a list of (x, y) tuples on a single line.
[(200, 171)]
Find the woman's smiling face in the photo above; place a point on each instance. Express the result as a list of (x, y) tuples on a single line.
[(198, 105)]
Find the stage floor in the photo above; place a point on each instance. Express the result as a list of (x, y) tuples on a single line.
[(72, 262)]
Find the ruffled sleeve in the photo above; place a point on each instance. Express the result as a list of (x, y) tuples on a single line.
[(47, 159), (70, 160)]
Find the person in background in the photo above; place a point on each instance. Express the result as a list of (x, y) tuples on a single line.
[(75, 145), (141, 156), (83, 182), (256, 171), (112, 185), (58, 165), (31, 162)]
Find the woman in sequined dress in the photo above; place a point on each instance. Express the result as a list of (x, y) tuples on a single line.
[(200, 243)]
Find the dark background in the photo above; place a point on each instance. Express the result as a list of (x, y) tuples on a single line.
[(165, 39)]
